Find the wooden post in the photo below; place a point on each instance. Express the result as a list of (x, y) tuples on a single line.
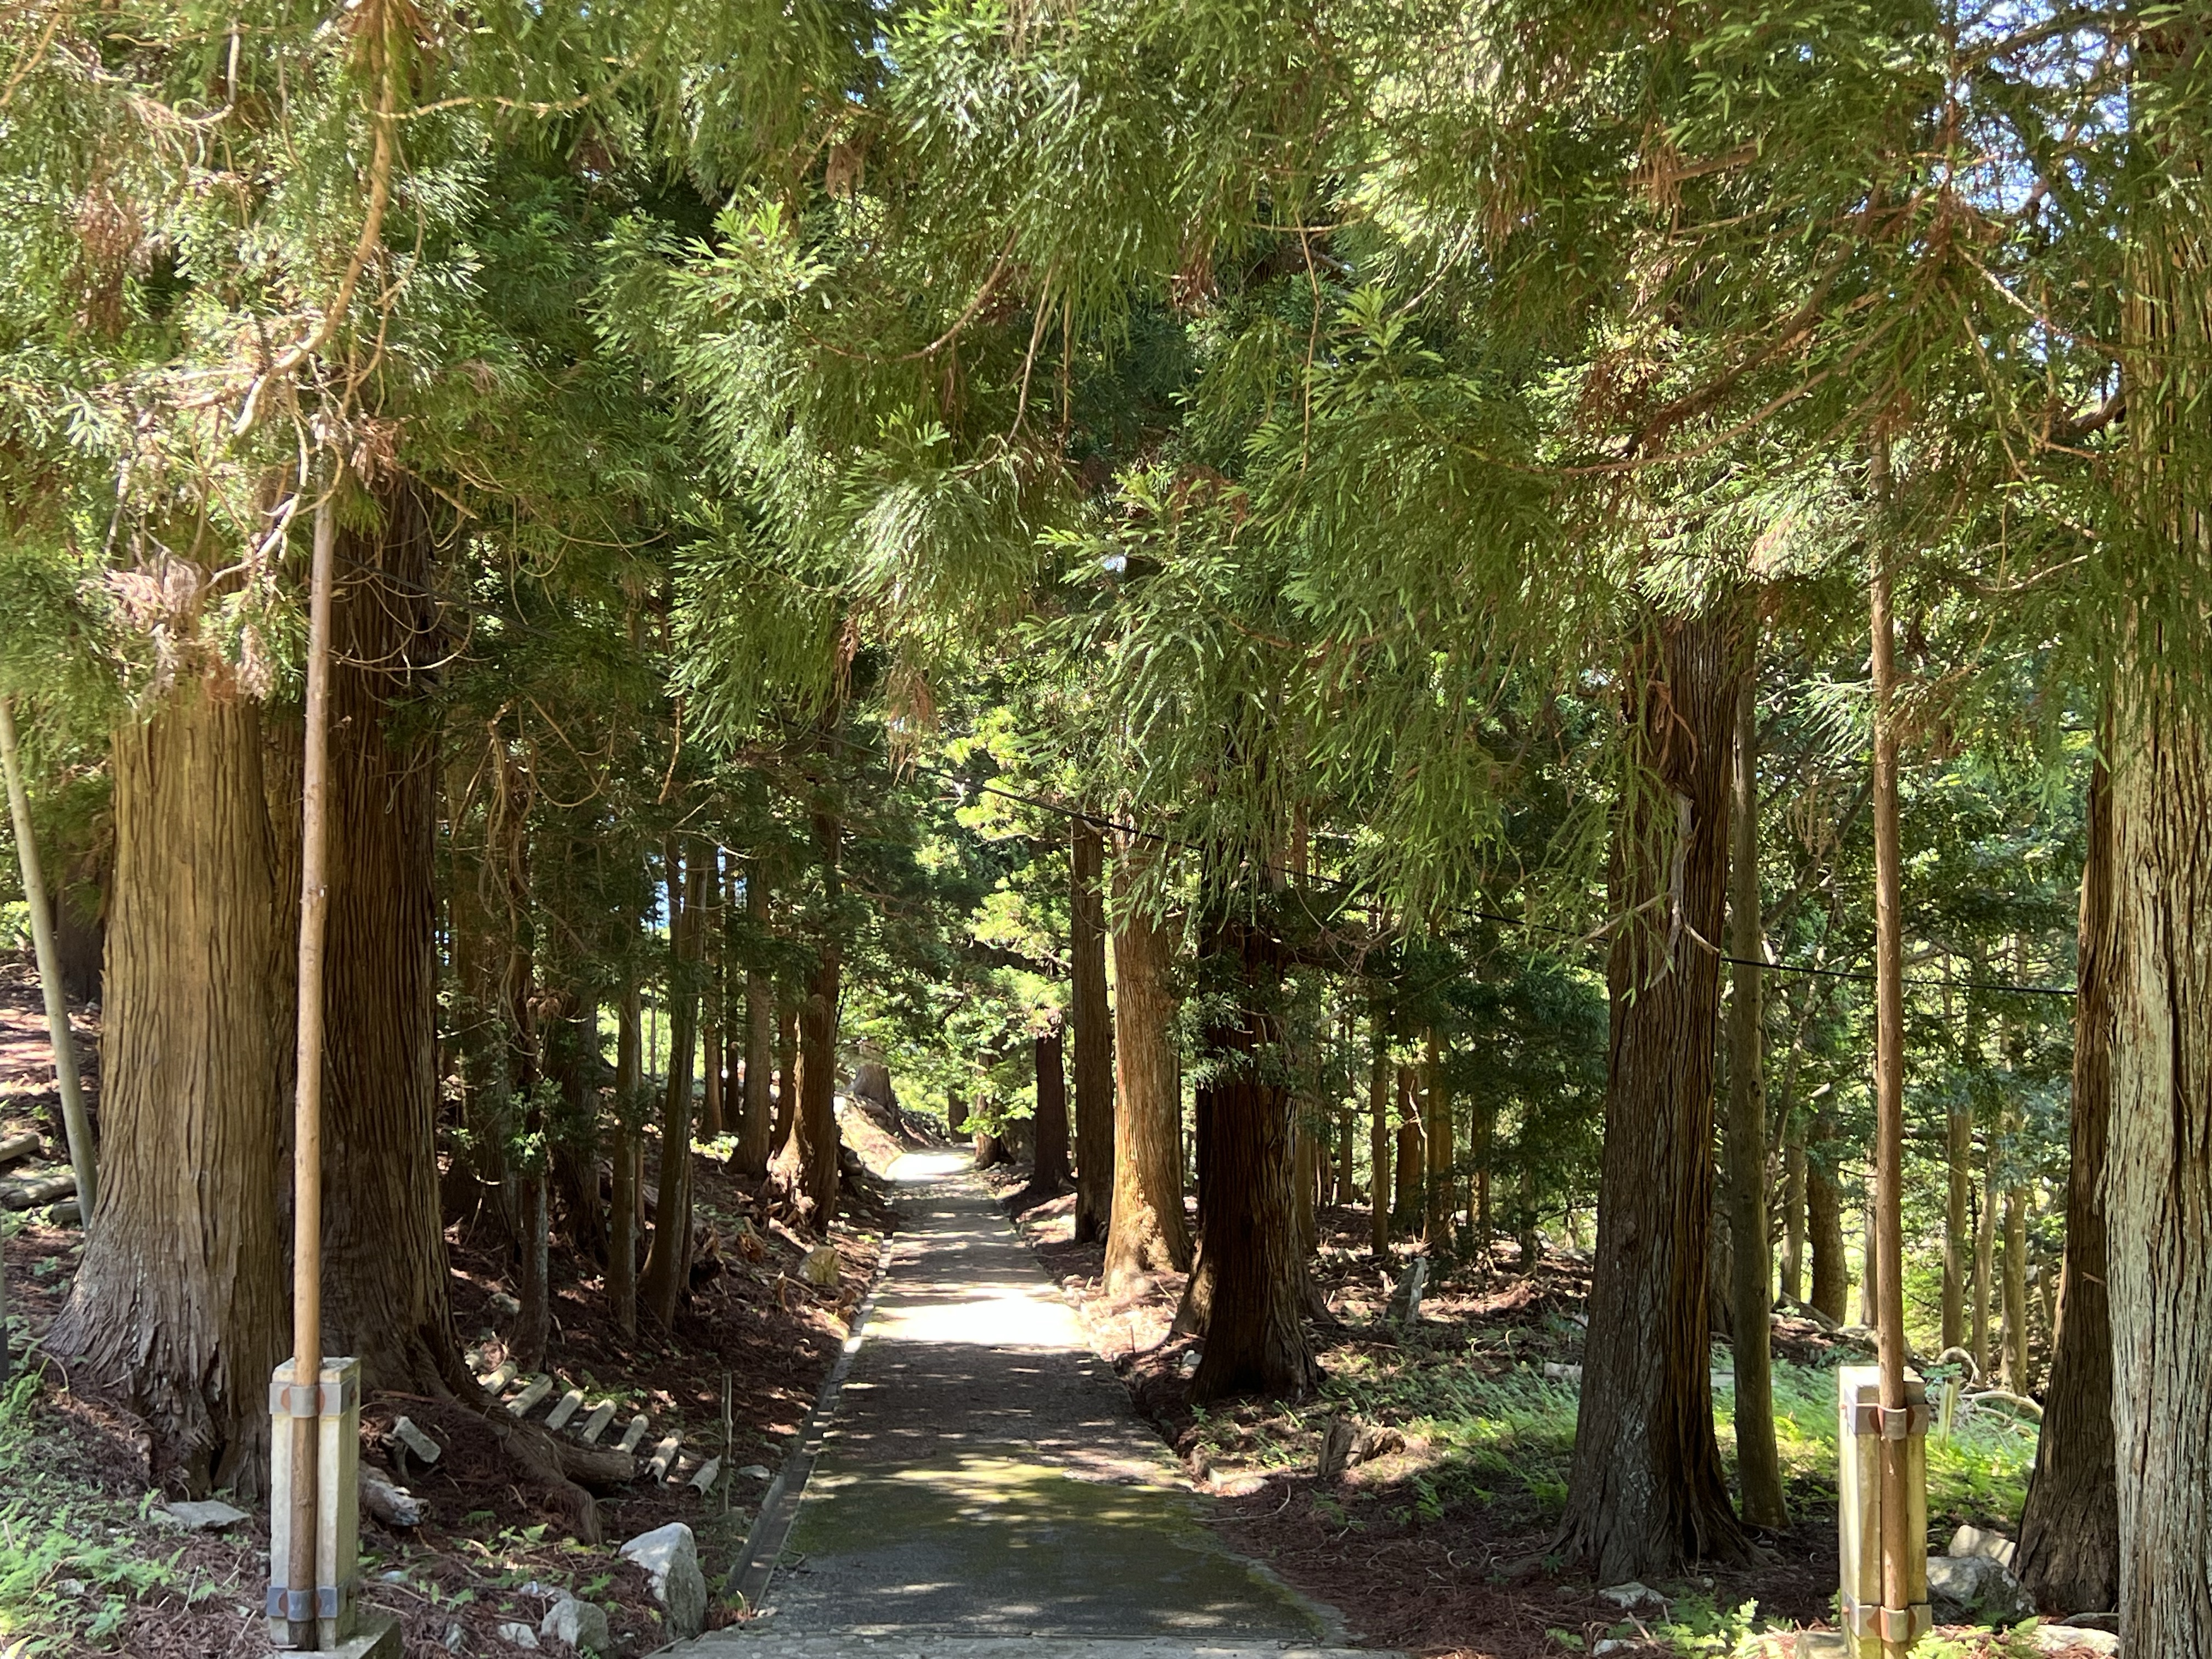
[(302, 1404), (1902, 1613), (79, 1129), (1864, 1519)]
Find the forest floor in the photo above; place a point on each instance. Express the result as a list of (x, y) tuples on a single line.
[(88, 1565), (1437, 1540)]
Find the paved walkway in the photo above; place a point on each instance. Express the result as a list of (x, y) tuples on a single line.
[(984, 1491)]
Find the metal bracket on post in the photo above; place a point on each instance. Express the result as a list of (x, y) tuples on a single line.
[(333, 1405)]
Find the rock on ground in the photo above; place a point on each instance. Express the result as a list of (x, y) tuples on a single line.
[(1975, 1589), (579, 1625), (669, 1556)]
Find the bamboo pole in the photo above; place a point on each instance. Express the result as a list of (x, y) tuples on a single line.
[(74, 1122), (1886, 1270), (307, 1105)]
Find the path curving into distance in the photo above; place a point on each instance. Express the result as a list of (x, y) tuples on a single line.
[(980, 1488)]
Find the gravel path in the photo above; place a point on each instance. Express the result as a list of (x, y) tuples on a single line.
[(983, 1489)]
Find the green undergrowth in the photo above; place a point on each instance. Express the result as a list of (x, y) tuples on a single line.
[(71, 1567), (1482, 1429)]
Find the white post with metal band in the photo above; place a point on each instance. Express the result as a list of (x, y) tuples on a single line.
[(1867, 1432)]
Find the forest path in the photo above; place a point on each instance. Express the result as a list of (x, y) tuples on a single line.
[(984, 1488)]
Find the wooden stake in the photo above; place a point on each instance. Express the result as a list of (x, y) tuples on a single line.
[(82, 1158), (1886, 1268), (308, 1106)]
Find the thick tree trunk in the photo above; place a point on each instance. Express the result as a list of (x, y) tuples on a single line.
[(1147, 1235), (956, 1115), (2070, 1543), (1048, 1171), (1823, 1221), (1483, 1134), (1751, 1288), (1093, 1034), (1531, 1239), (1412, 1158), (1378, 1138), (668, 1259), (1436, 1218), (570, 1034), (1255, 1338), (1646, 1495), (629, 1165), (384, 1272), (178, 1305), (758, 1120), (509, 832)]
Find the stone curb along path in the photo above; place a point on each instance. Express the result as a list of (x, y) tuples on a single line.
[(974, 1484)]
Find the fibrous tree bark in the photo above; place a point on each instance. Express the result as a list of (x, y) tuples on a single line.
[(2070, 1545), (2158, 1193), (1793, 1208), (1094, 1033), (1048, 1170), (1958, 1205), (1412, 1159), (1249, 1254), (1751, 1289), (384, 1272), (1147, 1234), (787, 1070), (1645, 1493), (179, 1304)]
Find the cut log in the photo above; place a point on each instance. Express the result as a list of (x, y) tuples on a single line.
[(45, 1189), (395, 1506), (526, 1402), (634, 1434), (25, 1145), (662, 1456), (703, 1482), (570, 1403), (596, 1424)]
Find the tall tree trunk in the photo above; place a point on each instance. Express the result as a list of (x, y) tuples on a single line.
[(1824, 1220), (2070, 1543), (1147, 1234), (1412, 1159), (1985, 1255), (2158, 1193), (1379, 1137), (668, 1259), (956, 1115), (1255, 1338), (508, 832), (1094, 1034), (178, 1305), (1645, 1494), (384, 1272), (2017, 1375), (1437, 1132), (756, 1120), (1484, 1135), (570, 1035), (629, 1164), (1751, 1289), (1793, 1209), (787, 1070), (1048, 1171), (806, 1167), (1532, 1239), (710, 1046), (1957, 1232)]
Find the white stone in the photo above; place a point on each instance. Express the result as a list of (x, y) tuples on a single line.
[(2074, 1638), (1633, 1594), (212, 1515), (820, 1267), (756, 1472), (581, 1625), (1973, 1540), (669, 1556), (520, 1636), (454, 1638)]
